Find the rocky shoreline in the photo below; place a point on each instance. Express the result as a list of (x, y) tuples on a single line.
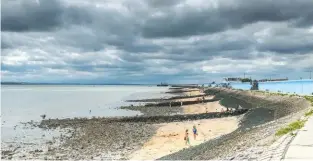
[(257, 128)]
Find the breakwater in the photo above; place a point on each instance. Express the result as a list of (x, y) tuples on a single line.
[(182, 90), (180, 103), (167, 99), (53, 123)]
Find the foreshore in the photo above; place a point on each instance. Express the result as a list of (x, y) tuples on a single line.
[(257, 127), (159, 132)]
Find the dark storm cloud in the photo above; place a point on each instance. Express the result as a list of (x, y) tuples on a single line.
[(288, 48), (305, 21), (162, 3), (229, 14), (28, 15)]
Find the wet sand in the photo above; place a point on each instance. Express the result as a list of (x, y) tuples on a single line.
[(193, 99), (169, 136), (191, 93), (203, 108)]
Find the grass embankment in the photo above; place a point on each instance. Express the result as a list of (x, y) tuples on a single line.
[(297, 124), (291, 127)]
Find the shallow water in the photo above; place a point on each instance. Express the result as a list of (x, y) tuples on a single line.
[(23, 103), (293, 86)]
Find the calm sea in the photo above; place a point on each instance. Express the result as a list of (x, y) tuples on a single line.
[(304, 87), (23, 103)]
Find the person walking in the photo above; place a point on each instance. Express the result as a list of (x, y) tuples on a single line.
[(195, 132), (186, 138)]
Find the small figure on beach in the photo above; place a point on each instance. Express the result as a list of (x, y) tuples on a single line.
[(195, 132), (186, 138), (89, 111)]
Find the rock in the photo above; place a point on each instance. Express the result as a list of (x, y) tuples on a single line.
[(49, 142), (38, 150)]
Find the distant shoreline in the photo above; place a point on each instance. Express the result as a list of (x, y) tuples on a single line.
[(21, 83)]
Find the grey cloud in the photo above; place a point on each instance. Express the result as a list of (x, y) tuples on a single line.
[(287, 41), (162, 3), (288, 48), (230, 14), (78, 36), (28, 15), (4, 45), (45, 15)]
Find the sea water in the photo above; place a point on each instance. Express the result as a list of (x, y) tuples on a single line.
[(302, 87), (23, 103)]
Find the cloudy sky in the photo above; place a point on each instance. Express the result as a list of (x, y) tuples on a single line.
[(149, 41)]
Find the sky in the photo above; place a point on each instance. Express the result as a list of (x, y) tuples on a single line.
[(153, 41)]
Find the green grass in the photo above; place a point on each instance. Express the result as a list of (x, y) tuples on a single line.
[(310, 113), (309, 98), (291, 127)]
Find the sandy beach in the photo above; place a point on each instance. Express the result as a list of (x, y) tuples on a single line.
[(190, 93), (194, 99), (169, 136), (203, 108)]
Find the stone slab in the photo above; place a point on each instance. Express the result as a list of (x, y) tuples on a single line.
[(303, 138), (299, 152)]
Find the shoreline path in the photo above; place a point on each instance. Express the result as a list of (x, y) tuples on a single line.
[(301, 147)]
